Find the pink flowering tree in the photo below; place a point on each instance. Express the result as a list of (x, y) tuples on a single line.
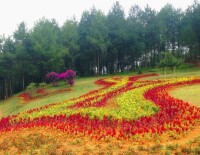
[(67, 76), (70, 76), (53, 77)]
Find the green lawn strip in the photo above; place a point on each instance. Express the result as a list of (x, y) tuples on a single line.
[(188, 72), (9, 106), (190, 94)]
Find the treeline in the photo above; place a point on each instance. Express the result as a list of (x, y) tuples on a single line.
[(98, 44)]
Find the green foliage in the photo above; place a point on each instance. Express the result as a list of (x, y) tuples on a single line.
[(197, 150), (186, 66), (43, 84), (69, 40), (31, 86), (94, 41), (167, 152), (191, 28), (170, 61), (187, 150), (140, 71), (169, 20)]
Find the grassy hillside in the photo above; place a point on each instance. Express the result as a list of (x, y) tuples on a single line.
[(13, 105)]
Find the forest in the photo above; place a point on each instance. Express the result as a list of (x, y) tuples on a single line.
[(98, 44)]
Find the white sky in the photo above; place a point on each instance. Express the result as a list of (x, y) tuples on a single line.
[(12, 12)]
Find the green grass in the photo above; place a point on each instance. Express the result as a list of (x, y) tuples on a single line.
[(185, 72), (13, 106), (189, 94)]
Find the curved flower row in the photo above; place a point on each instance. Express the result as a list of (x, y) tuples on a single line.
[(40, 93), (140, 107), (176, 114)]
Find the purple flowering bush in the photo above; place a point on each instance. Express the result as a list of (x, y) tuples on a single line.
[(70, 76), (53, 77), (67, 76)]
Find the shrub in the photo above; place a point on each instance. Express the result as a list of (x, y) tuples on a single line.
[(139, 71), (172, 147), (31, 86), (197, 150), (43, 84), (187, 150), (70, 76), (52, 77), (167, 152)]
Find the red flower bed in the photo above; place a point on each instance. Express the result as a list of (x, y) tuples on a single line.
[(41, 92), (25, 97), (175, 115)]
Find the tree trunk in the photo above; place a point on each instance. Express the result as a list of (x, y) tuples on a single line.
[(98, 67), (11, 92), (145, 59), (151, 58), (2, 88), (23, 81), (6, 87)]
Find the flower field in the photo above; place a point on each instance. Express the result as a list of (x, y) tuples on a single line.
[(126, 108)]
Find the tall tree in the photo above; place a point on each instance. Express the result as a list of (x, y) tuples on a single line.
[(46, 45), (135, 42), (97, 38), (6, 67), (94, 39), (170, 21), (150, 34), (117, 35), (83, 61), (69, 39), (191, 28), (23, 59)]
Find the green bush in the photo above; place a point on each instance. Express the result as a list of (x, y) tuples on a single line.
[(43, 84), (187, 150), (186, 66), (197, 150), (140, 71), (167, 152), (31, 86)]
